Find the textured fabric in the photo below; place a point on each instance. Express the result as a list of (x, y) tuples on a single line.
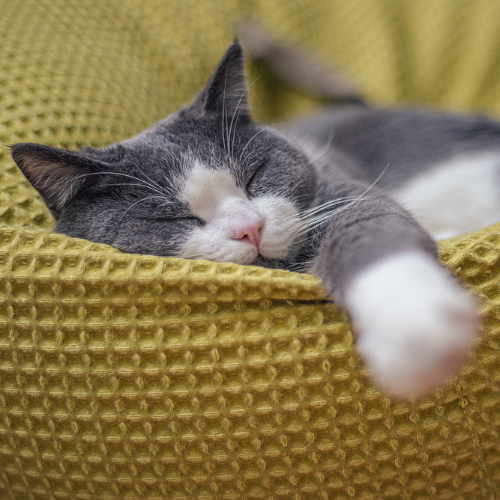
[(135, 377)]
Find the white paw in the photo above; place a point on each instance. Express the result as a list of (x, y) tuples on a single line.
[(414, 324)]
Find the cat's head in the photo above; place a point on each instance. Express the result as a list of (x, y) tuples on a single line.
[(206, 182)]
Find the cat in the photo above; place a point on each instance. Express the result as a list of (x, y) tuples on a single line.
[(318, 196)]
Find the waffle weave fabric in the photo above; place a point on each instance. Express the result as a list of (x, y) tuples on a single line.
[(137, 377)]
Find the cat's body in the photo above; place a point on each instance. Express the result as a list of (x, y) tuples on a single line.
[(444, 168), (209, 183)]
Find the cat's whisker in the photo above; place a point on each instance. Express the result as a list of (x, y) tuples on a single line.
[(123, 184), (164, 189), (231, 140), (309, 225), (325, 149), (226, 129), (312, 211), (312, 215), (300, 267), (152, 185), (253, 137), (322, 218), (307, 222), (224, 113), (137, 202), (167, 200), (231, 130), (142, 181), (228, 126), (327, 206)]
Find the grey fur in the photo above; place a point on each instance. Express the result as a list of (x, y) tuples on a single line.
[(409, 141), (126, 195)]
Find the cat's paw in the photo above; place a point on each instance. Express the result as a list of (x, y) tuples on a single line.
[(414, 324)]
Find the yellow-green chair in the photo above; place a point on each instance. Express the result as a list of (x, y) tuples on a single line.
[(136, 377)]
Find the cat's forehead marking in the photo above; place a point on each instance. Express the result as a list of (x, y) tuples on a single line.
[(206, 189)]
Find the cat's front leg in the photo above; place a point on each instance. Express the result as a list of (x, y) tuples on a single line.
[(413, 322)]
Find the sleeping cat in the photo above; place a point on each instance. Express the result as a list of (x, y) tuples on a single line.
[(319, 196)]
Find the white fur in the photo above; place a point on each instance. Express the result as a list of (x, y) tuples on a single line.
[(281, 219), (206, 189), (213, 195), (456, 196), (414, 324)]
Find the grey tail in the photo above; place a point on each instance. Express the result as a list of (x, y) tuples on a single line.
[(296, 69)]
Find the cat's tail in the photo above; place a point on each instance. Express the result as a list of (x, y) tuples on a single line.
[(295, 68)]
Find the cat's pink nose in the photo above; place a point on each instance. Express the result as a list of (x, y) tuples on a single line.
[(249, 232)]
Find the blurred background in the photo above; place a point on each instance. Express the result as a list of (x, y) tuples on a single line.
[(91, 72)]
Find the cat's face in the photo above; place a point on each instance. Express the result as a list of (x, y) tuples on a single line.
[(205, 183)]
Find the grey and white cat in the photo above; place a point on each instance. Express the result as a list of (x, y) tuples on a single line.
[(321, 196)]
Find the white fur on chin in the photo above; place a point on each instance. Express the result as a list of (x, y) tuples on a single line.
[(414, 324)]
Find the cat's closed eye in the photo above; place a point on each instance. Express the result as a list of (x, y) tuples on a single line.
[(187, 219), (257, 171)]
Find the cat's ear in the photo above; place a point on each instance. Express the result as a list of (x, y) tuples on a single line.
[(225, 93), (57, 174)]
